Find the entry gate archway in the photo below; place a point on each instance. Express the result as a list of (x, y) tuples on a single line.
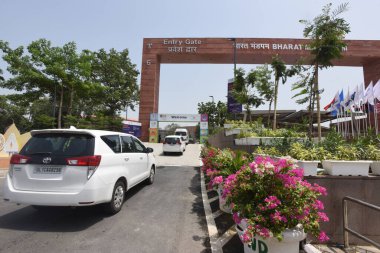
[(157, 51), (155, 118)]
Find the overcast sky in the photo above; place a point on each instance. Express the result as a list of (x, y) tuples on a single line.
[(95, 24)]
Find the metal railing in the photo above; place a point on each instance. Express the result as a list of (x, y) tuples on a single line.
[(347, 230)]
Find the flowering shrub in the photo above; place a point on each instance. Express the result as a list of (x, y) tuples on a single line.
[(272, 196), (218, 164)]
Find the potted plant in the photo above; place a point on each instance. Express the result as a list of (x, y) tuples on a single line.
[(345, 162), (371, 152), (308, 157), (275, 204), (218, 165)]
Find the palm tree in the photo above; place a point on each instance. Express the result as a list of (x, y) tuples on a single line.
[(326, 33)]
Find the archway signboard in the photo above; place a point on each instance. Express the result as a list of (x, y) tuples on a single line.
[(157, 51), (155, 118)]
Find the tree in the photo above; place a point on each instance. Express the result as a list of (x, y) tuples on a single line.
[(11, 113), (217, 113), (171, 128), (49, 71), (116, 73), (306, 94), (1, 75), (265, 86), (326, 32), (244, 90), (280, 72)]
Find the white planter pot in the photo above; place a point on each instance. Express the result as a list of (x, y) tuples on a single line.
[(233, 131), (247, 141), (375, 167), (309, 167), (347, 168), (227, 125), (326, 164), (222, 202), (290, 243)]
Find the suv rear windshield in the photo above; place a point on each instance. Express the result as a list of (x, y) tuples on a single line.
[(171, 140), (59, 144), (181, 133)]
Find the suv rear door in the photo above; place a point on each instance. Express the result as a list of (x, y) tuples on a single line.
[(42, 164)]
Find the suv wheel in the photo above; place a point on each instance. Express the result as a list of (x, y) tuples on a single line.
[(150, 179), (118, 196)]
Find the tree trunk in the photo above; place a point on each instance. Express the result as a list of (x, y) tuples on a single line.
[(275, 105), (269, 111), (318, 103), (311, 110), (60, 108), (69, 110)]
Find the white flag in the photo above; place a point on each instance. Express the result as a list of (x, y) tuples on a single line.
[(368, 97), (359, 94), (376, 90)]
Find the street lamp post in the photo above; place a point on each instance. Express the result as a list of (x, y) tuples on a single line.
[(212, 97)]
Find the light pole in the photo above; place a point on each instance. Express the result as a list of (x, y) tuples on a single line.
[(212, 97)]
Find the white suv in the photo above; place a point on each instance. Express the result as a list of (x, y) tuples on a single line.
[(72, 167)]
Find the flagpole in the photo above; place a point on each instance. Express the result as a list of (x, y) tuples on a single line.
[(375, 115)]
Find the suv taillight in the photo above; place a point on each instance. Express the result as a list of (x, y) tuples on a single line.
[(178, 141), (19, 159), (92, 163), (84, 160)]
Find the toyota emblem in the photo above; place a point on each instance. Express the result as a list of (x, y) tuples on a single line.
[(46, 160)]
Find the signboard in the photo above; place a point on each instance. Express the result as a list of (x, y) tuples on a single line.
[(179, 117), (204, 125), (204, 117), (153, 135), (132, 127), (153, 124), (203, 139), (232, 105)]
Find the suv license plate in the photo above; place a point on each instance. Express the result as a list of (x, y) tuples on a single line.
[(47, 170)]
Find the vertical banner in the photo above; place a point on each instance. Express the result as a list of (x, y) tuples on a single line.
[(232, 105), (203, 128), (153, 135)]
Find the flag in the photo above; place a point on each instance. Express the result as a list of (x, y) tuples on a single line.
[(350, 100), (332, 102), (346, 99), (337, 101), (368, 95), (359, 94), (376, 90)]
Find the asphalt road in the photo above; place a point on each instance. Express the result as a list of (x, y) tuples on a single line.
[(167, 216)]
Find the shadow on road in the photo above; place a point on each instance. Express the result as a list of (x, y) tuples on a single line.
[(59, 219), (198, 209)]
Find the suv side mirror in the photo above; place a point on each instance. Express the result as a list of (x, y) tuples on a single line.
[(149, 150)]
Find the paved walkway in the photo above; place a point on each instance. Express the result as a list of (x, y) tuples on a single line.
[(189, 158)]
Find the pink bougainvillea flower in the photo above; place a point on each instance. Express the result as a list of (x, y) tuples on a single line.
[(217, 180), (323, 217), (323, 237)]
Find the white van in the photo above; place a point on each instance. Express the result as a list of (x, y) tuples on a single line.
[(184, 133)]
